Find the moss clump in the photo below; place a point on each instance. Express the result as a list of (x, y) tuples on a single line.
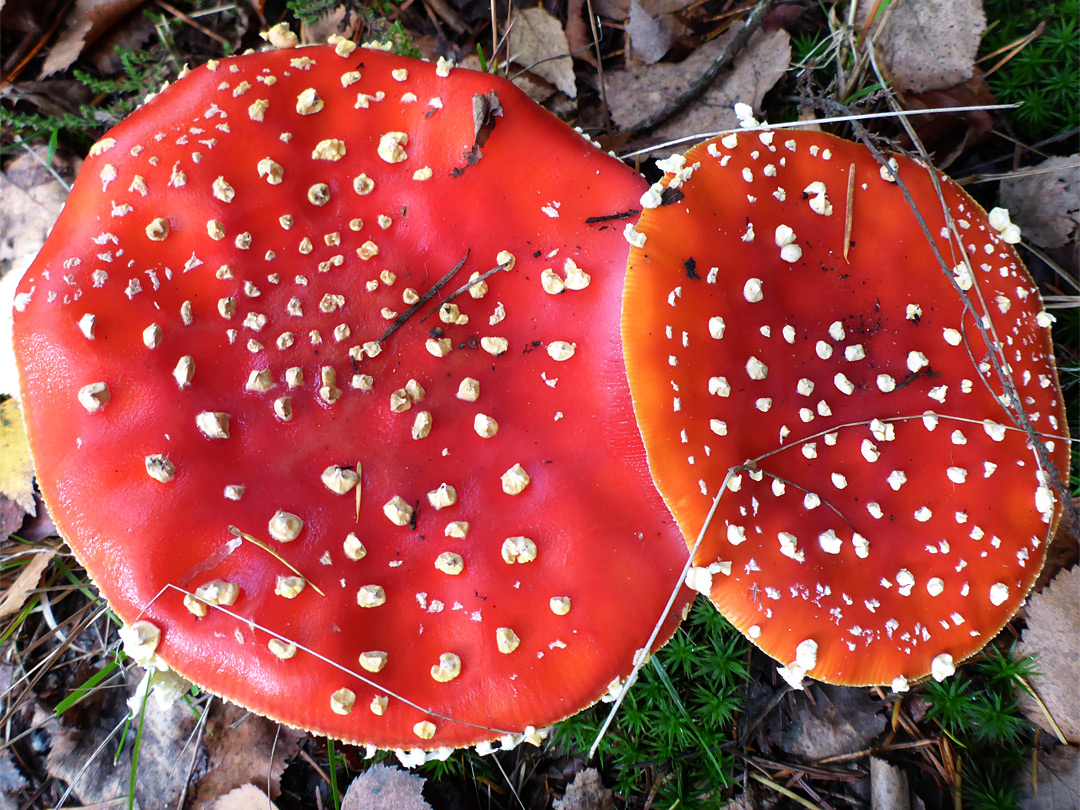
[(1045, 76), (670, 729)]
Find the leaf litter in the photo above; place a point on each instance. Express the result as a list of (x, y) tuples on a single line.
[(932, 47), (1045, 200), (639, 92), (538, 43), (1053, 617), (927, 44)]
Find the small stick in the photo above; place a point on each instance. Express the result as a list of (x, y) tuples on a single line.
[(235, 532), (702, 83), (599, 68), (400, 320), (1046, 711), (850, 209), (360, 487), (202, 29)]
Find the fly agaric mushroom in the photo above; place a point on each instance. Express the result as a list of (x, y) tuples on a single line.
[(887, 510), (251, 395)]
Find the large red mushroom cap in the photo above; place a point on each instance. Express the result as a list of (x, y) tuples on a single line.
[(889, 416), (308, 475)]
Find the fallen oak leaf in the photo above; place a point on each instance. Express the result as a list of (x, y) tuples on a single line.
[(1052, 618), (538, 43), (385, 787), (640, 93), (238, 746), (1045, 200), (25, 583), (88, 21), (929, 44)]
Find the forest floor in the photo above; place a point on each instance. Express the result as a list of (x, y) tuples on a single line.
[(73, 735)]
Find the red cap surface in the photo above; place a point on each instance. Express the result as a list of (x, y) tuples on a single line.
[(420, 531), (888, 513)]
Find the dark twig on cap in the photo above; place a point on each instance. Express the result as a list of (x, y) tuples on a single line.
[(427, 296)]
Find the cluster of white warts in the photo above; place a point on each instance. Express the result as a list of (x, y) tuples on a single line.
[(283, 526), (817, 199)]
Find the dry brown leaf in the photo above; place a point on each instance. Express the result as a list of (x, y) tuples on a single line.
[(929, 44), (640, 92), (838, 720), (536, 36), (1052, 618), (889, 788), (78, 756), (649, 38), (30, 202), (27, 580), (238, 746), (1045, 201), (578, 32), (385, 787), (586, 792), (1057, 781), (86, 22), (245, 797), (620, 9), (16, 467)]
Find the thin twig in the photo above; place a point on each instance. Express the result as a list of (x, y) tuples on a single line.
[(202, 29), (442, 282), (599, 67), (837, 119), (702, 83), (643, 654)]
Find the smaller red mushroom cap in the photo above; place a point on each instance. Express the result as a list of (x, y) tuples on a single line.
[(309, 364), (893, 426)]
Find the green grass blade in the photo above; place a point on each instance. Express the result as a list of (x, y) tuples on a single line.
[(79, 692), (331, 755), (138, 741)]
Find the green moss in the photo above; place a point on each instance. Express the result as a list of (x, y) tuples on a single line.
[(977, 709), (1045, 76), (375, 14), (669, 733)]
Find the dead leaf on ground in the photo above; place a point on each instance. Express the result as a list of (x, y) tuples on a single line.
[(1045, 200), (840, 720), (620, 9), (578, 32), (1052, 619), (889, 788), (637, 93), (948, 135), (238, 746), (30, 202), (536, 36), (78, 757), (586, 792), (16, 467), (929, 44), (245, 797), (385, 787), (26, 582), (650, 37), (1057, 781), (11, 779), (87, 21)]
